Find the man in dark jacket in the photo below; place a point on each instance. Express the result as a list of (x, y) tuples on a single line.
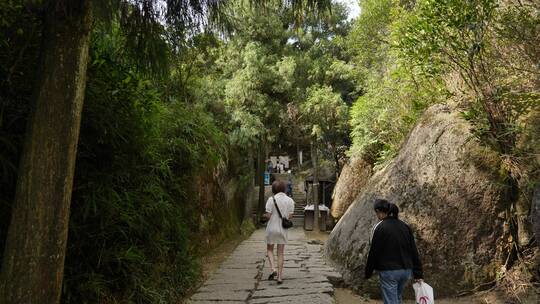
[(392, 253)]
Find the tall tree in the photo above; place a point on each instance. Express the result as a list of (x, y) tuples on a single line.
[(257, 78), (33, 262), (326, 116)]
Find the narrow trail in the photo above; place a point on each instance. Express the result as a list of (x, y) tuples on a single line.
[(242, 276)]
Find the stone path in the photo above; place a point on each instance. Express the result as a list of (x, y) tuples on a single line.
[(242, 278)]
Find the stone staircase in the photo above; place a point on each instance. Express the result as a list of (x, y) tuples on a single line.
[(299, 197)]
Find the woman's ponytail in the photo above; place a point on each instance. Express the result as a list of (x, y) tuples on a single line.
[(393, 211)]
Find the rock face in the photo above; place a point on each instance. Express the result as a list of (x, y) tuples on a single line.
[(447, 193), (535, 206), (222, 203), (353, 178)]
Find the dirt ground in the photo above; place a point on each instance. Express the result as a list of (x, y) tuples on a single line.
[(347, 296), (211, 261)]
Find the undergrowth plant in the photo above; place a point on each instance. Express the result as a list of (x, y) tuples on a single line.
[(395, 91), (131, 231)]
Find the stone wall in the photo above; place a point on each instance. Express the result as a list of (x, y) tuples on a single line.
[(222, 205)]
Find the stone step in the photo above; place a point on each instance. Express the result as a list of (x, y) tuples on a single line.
[(298, 222)]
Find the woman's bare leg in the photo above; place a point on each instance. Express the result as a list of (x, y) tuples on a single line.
[(281, 259), (270, 255)]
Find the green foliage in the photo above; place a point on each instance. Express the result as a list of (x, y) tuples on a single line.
[(247, 228), (256, 74), (191, 139), (148, 144), (395, 91), (405, 50), (447, 32), (134, 221), (326, 113), (270, 68), (368, 40), (481, 58), (131, 222), (383, 117), (248, 94), (489, 45)]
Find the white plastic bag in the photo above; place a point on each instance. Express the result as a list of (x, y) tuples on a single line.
[(423, 293)]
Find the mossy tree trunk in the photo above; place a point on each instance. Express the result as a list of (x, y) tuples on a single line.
[(248, 206), (315, 187), (260, 179), (33, 263)]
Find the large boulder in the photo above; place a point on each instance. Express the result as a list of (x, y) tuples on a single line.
[(447, 188), (352, 180)]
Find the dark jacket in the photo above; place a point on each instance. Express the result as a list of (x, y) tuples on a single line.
[(392, 248)]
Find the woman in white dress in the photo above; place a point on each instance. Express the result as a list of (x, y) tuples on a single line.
[(275, 233)]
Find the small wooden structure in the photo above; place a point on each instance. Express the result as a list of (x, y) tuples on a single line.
[(327, 183)]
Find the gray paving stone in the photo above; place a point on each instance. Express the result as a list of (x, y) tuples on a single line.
[(222, 295), (242, 278), (319, 298), (296, 285), (214, 302), (281, 292)]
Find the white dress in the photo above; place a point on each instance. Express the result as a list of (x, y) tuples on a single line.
[(275, 233)]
